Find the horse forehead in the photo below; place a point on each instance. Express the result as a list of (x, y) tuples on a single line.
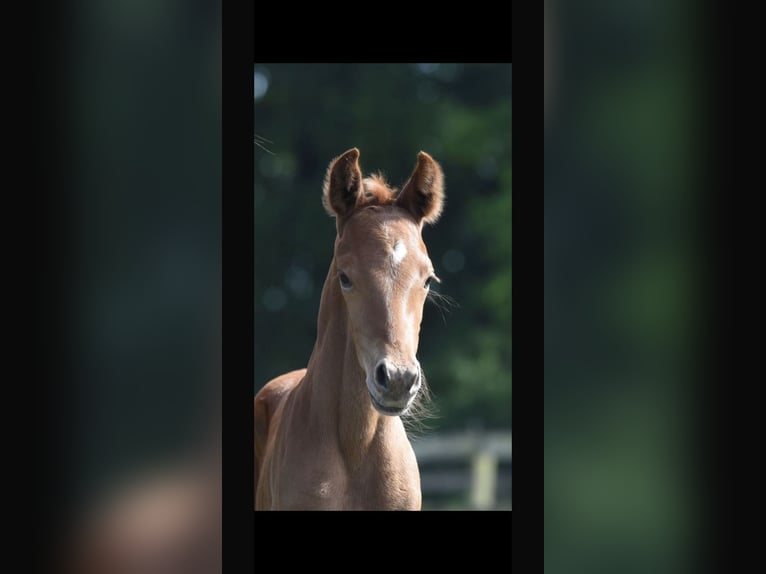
[(387, 234)]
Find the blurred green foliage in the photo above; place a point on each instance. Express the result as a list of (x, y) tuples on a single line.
[(461, 115), (141, 109), (621, 292)]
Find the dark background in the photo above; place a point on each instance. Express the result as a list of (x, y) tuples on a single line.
[(143, 99), (627, 284)]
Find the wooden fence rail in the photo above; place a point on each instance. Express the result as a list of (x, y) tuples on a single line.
[(467, 464)]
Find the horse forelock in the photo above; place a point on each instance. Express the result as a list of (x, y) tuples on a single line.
[(377, 191)]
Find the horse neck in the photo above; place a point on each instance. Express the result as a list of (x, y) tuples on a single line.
[(339, 400)]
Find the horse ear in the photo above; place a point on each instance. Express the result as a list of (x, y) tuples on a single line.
[(342, 184), (423, 194)]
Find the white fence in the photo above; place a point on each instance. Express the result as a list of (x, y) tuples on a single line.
[(473, 466)]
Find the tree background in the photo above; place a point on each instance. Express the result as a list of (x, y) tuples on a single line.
[(305, 115), (624, 286)]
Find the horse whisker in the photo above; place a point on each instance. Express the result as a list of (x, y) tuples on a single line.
[(259, 142)]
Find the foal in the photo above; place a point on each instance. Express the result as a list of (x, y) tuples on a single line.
[(329, 436)]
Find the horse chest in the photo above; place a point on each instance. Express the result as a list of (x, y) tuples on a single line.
[(327, 483), (398, 490)]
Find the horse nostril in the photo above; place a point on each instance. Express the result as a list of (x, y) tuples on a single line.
[(381, 375)]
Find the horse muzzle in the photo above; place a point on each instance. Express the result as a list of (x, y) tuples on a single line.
[(395, 387)]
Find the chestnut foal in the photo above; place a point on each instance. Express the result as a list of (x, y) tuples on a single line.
[(329, 436)]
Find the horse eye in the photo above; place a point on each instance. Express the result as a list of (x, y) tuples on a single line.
[(428, 283), (345, 282)]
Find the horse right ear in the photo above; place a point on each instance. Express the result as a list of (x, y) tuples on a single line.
[(342, 184)]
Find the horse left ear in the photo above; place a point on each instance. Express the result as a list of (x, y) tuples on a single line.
[(423, 194)]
